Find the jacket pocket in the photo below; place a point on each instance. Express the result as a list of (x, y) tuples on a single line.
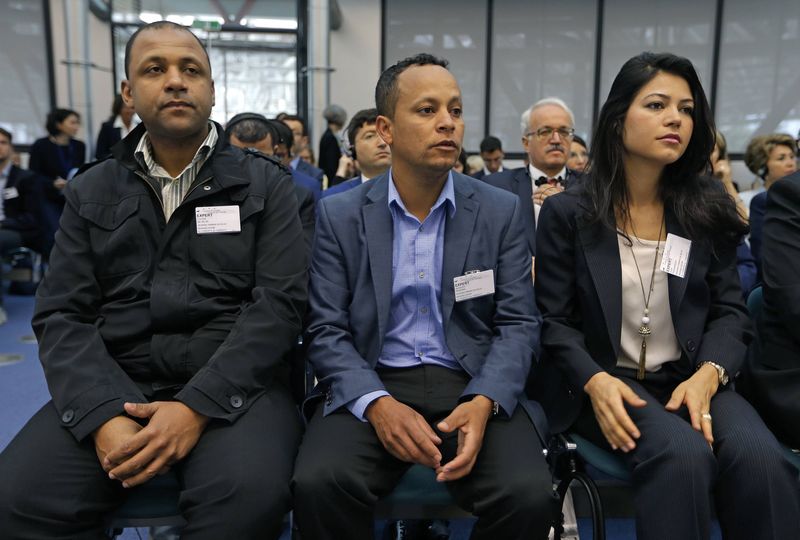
[(229, 253), (117, 237)]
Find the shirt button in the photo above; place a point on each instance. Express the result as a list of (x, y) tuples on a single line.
[(423, 310), (420, 354), (68, 415), (207, 188), (421, 275), (236, 401)]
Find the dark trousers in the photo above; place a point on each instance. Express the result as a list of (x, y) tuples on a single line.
[(343, 469), (8, 240), (676, 474), (234, 483)]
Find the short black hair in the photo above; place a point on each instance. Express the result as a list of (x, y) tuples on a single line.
[(386, 89), (364, 116), (7, 134), (578, 139), (158, 25), (491, 144), (250, 127), (55, 117), (284, 132), (296, 118)]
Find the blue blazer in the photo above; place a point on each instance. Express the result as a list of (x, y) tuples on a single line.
[(519, 181), (579, 292), (309, 170), (344, 186), (493, 338), (758, 207)]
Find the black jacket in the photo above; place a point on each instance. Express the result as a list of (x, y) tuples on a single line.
[(579, 292), (775, 372), (132, 303), (108, 137), (22, 210)]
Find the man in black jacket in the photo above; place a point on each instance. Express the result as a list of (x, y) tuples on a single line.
[(17, 207), (176, 289)]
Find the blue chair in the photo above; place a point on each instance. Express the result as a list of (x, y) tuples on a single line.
[(575, 459), (419, 496)]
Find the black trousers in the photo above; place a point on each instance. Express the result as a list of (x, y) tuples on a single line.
[(676, 474), (234, 483), (8, 240), (343, 469)]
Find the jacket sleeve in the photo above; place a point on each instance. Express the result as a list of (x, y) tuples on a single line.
[(728, 329), (563, 341), (267, 329), (781, 252), (516, 322), (87, 385), (340, 368)]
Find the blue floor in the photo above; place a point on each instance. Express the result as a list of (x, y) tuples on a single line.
[(23, 391)]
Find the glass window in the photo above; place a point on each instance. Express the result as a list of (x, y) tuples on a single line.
[(759, 71), (541, 49), (453, 30), (26, 75), (682, 27), (272, 14), (253, 71)]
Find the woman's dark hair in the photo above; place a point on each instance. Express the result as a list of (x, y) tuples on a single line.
[(578, 139), (697, 201), (116, 107), (57, 116), (462, 157)]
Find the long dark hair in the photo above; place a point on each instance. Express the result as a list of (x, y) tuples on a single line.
[(697, 201)]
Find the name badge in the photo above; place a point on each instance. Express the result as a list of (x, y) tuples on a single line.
[(676, 255), (10, 193), (473, 285), (217, 219)]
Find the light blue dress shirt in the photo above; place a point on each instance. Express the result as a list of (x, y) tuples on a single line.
[(415, 332)]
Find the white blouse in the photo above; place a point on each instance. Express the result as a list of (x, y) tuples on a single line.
[(662, 344)]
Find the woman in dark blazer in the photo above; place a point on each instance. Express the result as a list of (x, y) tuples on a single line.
[(115, 128), (653, 350), (55, 159)]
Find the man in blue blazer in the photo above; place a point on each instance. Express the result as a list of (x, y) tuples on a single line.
[(368, 149), (422, 330)]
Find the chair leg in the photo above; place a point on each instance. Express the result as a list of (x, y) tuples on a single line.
[(595, 504)]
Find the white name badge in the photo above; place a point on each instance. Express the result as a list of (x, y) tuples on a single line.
[(217, 219), (473, 285), (10, 193), (676, 255)]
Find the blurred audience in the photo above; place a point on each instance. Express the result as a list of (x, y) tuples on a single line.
[(578, 154), (330, 145), (492, 156)]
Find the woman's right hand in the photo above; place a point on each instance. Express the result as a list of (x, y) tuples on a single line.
[(608, 394)]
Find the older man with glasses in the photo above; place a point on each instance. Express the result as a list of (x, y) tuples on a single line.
[(547, 131)]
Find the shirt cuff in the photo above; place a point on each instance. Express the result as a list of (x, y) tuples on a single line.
[(359, 405)]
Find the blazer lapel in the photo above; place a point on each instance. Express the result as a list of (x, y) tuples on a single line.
[(457, 237), (677, 285), (524, 191), (601, 249), (379, 230)]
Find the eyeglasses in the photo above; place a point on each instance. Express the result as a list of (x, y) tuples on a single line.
[(544, 133)]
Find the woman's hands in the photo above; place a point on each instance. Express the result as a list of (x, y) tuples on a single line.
[(608, 395), (696, 393)]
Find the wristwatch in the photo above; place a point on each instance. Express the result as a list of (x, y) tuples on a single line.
[(722, 374)]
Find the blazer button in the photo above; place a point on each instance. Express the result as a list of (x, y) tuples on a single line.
[(690, 345), (236, 401), (68, 415)]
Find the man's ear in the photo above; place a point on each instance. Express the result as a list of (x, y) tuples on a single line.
[(384, 127), (213, 94), (127, 93)]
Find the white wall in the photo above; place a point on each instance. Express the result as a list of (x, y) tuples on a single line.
[(101, 82), (355, 52)]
